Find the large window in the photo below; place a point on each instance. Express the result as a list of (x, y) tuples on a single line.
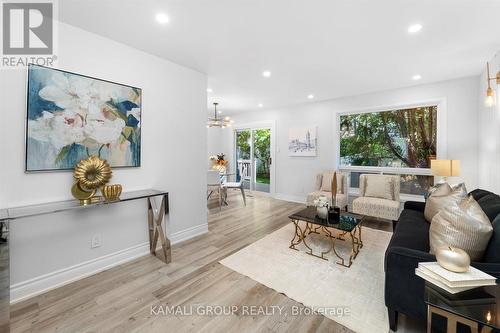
[(391, 142)]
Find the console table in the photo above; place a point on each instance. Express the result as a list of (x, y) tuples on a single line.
[(155, 227)]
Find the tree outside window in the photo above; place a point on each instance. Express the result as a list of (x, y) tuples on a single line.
[(403, 138)]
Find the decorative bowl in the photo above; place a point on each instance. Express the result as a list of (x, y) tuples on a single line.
[(453, 259), (111, 192)]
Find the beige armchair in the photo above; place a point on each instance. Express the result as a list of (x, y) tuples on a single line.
[(323, 187), (378, 197)]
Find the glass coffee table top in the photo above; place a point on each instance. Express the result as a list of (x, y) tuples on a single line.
[(347, 221), (478, 304)]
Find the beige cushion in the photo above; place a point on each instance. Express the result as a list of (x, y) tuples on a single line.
[(443, 196), (376, 207), (463, 225), (379, 187), (326, 182)]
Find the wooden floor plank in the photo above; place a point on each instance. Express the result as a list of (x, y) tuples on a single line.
[(121, 299)]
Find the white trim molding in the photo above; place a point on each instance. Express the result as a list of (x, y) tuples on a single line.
[(290, 198), (188, 233), (43, 283)]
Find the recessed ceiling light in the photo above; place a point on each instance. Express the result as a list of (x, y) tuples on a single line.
[(416, 77), (209, 90), (260, 105), (162, 18), (311, 96), (266, 73), (414, 28)]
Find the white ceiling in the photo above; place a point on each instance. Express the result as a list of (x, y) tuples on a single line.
[(329, 48)]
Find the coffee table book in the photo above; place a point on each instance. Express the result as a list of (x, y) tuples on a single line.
[(453, 282)]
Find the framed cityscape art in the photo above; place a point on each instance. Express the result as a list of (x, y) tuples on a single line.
[(302, 141), (72, 116)]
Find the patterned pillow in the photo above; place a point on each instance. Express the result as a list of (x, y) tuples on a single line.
[(463, 225), (379, 186), (443, 196)]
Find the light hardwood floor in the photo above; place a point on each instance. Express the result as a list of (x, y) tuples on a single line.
[(121, 299)]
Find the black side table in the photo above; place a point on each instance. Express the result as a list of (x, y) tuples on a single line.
[(476, 309)]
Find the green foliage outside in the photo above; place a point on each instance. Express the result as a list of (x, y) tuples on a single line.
[(263, 180), (262, 145), (243, 145), (399, 138), (262, 151)]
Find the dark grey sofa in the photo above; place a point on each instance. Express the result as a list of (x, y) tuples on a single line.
[(409, 245)]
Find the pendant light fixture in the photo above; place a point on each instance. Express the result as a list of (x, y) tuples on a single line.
[(217, 121)]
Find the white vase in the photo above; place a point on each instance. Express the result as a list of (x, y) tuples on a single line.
[(322, 212)]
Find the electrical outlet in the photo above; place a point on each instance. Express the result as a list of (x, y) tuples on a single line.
[(95, 241)]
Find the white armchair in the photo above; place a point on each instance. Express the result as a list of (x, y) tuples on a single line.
[(324, 187), (378, 197)]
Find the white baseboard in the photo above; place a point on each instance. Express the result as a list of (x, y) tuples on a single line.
[(43, 283), (188, 233), (292, 198)]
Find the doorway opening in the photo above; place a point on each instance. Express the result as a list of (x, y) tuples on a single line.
[(254, 158)]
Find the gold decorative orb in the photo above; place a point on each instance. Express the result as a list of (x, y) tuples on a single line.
[(111, 192), (92, 173), (453, 259)]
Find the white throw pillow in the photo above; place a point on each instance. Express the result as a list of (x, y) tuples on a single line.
[(326, 182), (443, 196), (463, 225), (379, 186)]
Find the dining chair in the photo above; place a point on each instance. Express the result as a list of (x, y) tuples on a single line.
[(236, 185), (214, 185)]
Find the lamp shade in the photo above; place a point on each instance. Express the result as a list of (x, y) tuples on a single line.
[(445, 168)]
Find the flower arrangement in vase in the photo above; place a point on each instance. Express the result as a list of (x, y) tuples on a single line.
[(218, 163)]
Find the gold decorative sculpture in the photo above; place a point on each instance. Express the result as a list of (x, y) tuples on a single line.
[(111, 192), (90, 174), (85, 196), (334, 189), (93, 172)]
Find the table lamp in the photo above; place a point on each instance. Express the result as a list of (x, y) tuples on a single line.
[(445, 169)]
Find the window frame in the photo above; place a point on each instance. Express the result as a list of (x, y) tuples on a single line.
[(441, 149)]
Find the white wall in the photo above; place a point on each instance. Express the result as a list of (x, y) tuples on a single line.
[(489, 133), (295, 175), (45, 250)]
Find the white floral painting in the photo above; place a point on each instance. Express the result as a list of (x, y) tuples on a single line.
[(72, 116), (302, 141)]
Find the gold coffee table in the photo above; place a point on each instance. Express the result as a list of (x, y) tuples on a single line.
[(347, 224)]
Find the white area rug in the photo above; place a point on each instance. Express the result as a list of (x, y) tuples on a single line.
[(318, 283)]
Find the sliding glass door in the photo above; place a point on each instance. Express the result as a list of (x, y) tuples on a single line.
[(253, 158)]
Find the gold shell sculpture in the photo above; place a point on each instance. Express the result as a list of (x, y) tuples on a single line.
[(111, 192), (92, 173)]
